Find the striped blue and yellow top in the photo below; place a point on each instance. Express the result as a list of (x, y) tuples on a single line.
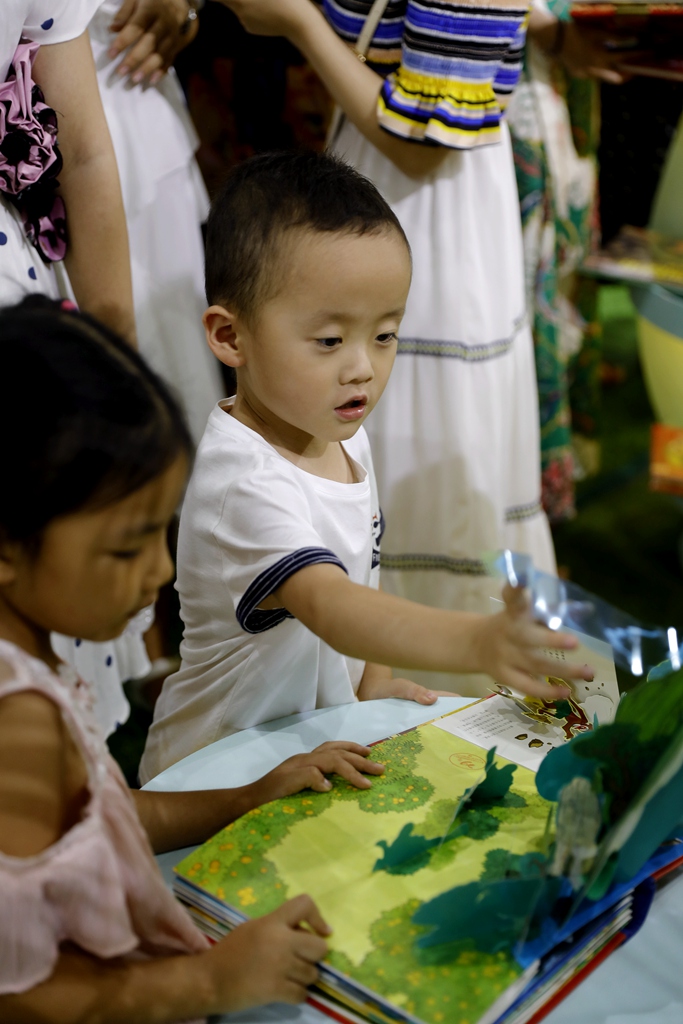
[(449, 68)]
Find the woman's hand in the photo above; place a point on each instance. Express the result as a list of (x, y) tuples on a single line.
[(584, 50), (585, 54), (308, 771), (269, 17), (154, 32)]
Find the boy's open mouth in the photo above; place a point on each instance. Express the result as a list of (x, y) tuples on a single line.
[(354, 409)]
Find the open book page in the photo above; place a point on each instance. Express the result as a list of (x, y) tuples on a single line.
[(523, 729)]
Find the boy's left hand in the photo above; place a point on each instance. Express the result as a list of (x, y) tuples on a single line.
[(404, 689), (378, 683), (308, 771)]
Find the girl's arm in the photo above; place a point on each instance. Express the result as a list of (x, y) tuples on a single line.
[(97, 259), (377, 627), (174, 820), (268, 960), (351, 83), (42, 785)]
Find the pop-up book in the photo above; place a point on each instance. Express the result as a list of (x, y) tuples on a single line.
[(524, 729), (462, 886)]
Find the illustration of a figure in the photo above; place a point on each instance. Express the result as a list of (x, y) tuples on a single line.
[(578, 824)]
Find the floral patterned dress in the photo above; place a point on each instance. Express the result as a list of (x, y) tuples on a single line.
[(554, 125), (98, 886)]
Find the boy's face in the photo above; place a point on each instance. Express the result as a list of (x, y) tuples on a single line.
[(319, 355)]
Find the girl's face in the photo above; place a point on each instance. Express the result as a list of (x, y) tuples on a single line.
[(95, 570)]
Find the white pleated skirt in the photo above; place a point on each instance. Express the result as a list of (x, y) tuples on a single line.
[(455, 438), (165, 202)]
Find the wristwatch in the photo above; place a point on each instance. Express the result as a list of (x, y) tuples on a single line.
[(193, 9)]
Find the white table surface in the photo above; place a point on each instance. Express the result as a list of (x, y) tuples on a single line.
[(642, 983)]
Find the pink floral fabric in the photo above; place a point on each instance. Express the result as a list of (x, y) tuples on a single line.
[(29, 156), (98, 886)]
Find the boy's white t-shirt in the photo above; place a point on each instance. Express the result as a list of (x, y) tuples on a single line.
[(250, 520)]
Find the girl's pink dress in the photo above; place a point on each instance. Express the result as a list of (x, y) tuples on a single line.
[(98, 886)]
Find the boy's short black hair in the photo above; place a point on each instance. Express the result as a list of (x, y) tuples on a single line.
[(265, 197)]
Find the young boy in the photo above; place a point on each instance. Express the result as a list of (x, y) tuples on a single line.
[(307, 274)]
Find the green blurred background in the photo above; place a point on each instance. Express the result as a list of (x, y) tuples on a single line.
[(625, 542)]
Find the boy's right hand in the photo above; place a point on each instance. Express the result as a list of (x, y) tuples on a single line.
[(510, 650), (270, 960)]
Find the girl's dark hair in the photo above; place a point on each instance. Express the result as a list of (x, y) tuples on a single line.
[(84, 422), (270, 194)]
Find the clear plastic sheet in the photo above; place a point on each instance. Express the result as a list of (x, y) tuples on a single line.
[(651, 651)]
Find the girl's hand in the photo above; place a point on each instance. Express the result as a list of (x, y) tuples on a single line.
[(308, 771), (154, 32), (510, 649), (174, 820), (272, 959)]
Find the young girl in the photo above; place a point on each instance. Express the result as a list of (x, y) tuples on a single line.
[(95, 458)]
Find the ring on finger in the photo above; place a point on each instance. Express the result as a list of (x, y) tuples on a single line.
[(193, 9)]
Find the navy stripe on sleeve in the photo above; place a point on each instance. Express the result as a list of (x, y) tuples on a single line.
[(253, 619)]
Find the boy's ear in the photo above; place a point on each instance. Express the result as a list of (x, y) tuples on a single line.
[(223, 335), (8, 570)]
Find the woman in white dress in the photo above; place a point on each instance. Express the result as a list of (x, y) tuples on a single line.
[(96, 257), (165, 203), (456, 436), (164, 198)]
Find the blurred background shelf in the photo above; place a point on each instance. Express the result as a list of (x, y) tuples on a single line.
[(624, 541)]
